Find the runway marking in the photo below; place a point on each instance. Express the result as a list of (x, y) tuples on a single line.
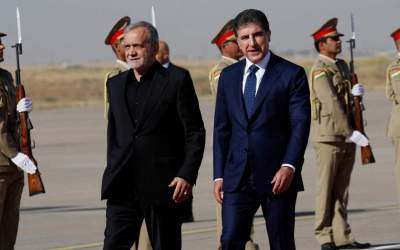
[(257, 222), (395, 246)]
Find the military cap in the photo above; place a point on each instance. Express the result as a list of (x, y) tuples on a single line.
[(327, 30), (396, 34), (225, 34), (2, 34), (117, 30)]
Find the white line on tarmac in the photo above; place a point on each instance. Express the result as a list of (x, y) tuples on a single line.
[(396, 246), (256, 223)]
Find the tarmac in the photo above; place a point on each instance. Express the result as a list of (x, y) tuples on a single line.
[(71, 152)]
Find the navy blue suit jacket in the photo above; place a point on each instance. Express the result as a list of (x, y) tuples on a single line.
[(276, 133)]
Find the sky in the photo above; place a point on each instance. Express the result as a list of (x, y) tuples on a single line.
[(73, 31)]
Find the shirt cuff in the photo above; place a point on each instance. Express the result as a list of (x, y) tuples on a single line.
[(289, 166), (218, 179)]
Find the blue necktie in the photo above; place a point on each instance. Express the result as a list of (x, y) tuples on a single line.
[(250, 90)]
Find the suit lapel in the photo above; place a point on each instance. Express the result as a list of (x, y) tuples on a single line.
[(238, 94), (267, 82)]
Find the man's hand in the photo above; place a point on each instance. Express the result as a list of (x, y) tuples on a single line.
[(282, 180), (25, 105), (218, 194), (24, 162), (182, 191)]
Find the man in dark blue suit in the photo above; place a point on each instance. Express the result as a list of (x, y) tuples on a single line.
[(261, 128)]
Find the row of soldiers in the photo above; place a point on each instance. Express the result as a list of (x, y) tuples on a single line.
[(333, 132), (334, 135)]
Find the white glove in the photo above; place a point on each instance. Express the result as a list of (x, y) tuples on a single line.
[(359, 138), (25, 105), (358, 90), (24, 162)]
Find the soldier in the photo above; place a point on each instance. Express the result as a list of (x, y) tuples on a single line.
[(393, 94), (334, 139), (11, 177), (115, 38), (226, 42)]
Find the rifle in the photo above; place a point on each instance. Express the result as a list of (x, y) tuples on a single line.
[(366, 152), (35, 183)]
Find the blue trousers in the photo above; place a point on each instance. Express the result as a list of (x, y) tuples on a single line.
[(239, 208)]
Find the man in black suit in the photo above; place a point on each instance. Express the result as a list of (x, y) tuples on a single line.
[(155, 141), (185, 208)]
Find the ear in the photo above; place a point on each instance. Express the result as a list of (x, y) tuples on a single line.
[(156, 48), (397, 43), (268, 34), (321, 44)]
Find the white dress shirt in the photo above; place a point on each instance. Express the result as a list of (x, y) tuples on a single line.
[(262, 66)]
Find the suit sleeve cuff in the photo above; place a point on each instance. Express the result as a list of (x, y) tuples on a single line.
[(289, 166), (218, 179)]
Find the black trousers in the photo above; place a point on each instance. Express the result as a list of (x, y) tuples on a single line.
[(124, 219)]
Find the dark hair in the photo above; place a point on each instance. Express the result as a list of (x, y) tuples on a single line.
[(153, 34), (251, 16), (316, 43)]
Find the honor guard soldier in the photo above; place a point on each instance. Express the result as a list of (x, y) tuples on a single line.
[(115, 39), (11, 177), (334, 139), (226, 42), (393, 94)]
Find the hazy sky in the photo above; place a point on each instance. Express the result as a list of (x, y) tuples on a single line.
[(73, 31)]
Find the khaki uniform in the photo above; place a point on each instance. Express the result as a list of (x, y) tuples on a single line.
[(331, 103), (213, 78), (11, 178), (120, 66), (393, 94)]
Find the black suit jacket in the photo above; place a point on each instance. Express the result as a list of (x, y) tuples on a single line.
[(168, 140)]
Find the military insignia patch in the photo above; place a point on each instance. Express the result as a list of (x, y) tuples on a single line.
[(216, 74), (395, 73), (319, 74)]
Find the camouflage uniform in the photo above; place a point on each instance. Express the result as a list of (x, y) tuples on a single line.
[(393, 94), (332, 123), (11, 177)]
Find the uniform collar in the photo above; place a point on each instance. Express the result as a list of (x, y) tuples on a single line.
[(229, 59), (123, 64), (327, 59), (261, 64)]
